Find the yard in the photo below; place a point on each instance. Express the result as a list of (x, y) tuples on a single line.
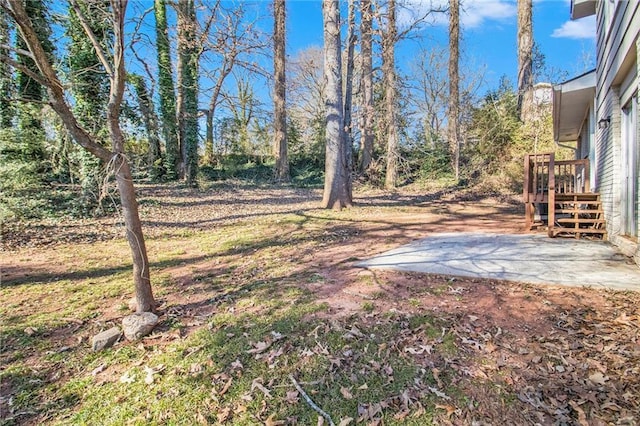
[(263, 311)]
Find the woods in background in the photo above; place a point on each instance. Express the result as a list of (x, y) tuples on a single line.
[(212, 93)]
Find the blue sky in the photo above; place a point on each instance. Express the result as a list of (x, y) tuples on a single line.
[(488, 35)]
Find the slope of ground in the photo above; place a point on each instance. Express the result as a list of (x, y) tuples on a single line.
[(263, 311)]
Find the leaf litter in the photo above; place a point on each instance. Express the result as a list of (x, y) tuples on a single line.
[(457, 350)]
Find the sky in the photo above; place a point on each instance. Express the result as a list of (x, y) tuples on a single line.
[(489, 29)]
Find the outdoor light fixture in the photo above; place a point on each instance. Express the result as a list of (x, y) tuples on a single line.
[(604, 123)]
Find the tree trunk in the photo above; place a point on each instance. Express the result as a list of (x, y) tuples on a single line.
[(525, 58), (337, 184), (211, 112), (454, 82), (208, 139), (390, 95), (188, 89), (6, 82), (366, 132), (142, 283), (167, 93), (154, 157), (279, 98), (348, 86)]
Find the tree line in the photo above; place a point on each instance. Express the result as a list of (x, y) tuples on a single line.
[(73, 109)]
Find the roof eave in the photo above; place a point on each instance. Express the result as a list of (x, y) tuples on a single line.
[(582, 8)]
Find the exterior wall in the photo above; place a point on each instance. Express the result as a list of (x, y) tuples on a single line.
[(618, 26), (608, 160)]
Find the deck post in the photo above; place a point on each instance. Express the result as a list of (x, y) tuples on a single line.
[(551, 218), (528, 205)]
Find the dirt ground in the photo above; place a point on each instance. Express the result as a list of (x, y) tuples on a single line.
[(572, 353)]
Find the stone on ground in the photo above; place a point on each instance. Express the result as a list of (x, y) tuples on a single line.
[(106, 339), (138, 325)]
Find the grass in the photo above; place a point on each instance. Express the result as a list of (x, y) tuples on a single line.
[(240, 315), (257, 298)]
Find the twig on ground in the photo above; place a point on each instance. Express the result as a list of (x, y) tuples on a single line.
[(310, 402)]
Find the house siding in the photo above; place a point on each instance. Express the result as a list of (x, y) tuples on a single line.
[(617, 73), (608, 153)]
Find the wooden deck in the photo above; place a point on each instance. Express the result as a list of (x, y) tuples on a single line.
[(562, 190)]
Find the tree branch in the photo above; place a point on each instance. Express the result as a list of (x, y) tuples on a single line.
[(16, 50), (96, 45), (50, 80), (15, 64)]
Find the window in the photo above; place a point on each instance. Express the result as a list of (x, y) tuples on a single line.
[(629, 170)]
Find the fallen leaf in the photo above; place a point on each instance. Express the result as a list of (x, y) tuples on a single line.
[(257, 385), (195, 369), (320, 421), (345, 422), (438, 393), (259, 348), (149, 378), (224, 414), (598, 378), (401, 415), (237, 365), (292, 397), (363, 387), (226, 386), (346, 393), (127, 378), (436, 376), (582, 417), (277, 336), (99, 369), (271, 422), (450, 409)]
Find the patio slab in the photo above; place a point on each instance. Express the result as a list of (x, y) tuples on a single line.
[(529, 258)]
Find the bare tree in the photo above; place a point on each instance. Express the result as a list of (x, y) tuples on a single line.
[(348, 86), (229, 40), (525, 57), (114, 65), (430, 91), (280, 113), (337, 186), (366, 49), (454, 83), (389, 38)]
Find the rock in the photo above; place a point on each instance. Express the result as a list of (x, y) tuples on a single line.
[(137, 325), (106, 339), (132, 304)]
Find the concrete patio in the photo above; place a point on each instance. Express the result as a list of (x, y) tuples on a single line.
[(528, 258)]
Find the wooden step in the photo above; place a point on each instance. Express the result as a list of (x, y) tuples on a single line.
[(579, 211), (581, 214), (557, 231), (578, 220), (577, 195)]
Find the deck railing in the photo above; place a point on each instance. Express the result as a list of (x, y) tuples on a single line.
[(544, 177)]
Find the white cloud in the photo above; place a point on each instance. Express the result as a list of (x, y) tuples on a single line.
[(473, 13), (476, 12), (579, 29)]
